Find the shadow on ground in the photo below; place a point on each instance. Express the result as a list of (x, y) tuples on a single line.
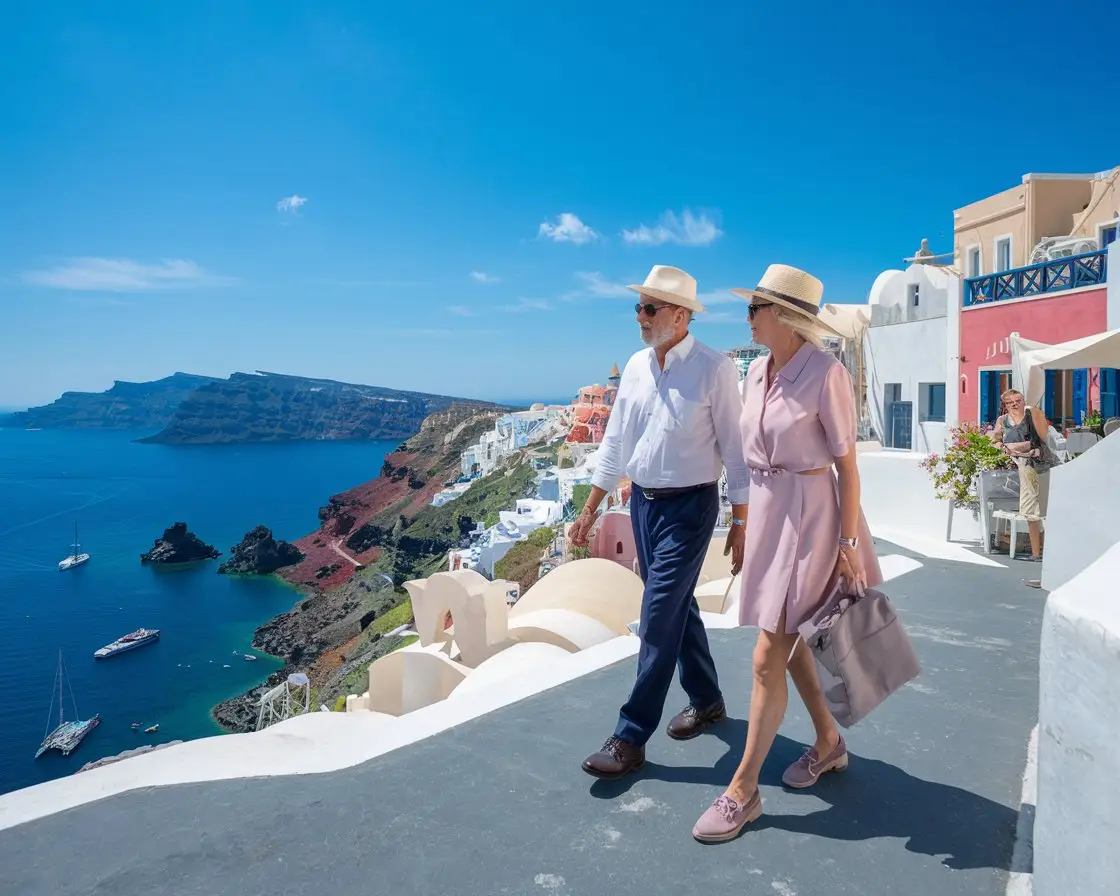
[(872, 799)]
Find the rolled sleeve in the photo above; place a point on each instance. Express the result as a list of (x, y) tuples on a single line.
[(727, 408), (838, 410)]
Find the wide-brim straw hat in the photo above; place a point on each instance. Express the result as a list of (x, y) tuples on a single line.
[(670, 285), (794, 290)]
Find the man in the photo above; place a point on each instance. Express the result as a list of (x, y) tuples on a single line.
[(673, 429)]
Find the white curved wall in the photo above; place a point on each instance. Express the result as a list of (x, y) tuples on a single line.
[(1077, 825), (562, 628), (597, 588), (518, 660), (1083, 513)]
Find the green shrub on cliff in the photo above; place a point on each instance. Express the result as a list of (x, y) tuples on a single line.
[(522, 563)]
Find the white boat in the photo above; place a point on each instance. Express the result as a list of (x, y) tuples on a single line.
[(250, 658), (76, 558), (66, 736)]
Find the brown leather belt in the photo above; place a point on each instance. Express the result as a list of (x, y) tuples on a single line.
[(659, 494)]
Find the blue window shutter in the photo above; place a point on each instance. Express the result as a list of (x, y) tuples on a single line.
[(1048, 395), (1080, 394), (1110, 392), (985, 411)]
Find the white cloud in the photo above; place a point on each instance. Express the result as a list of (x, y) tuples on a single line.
[(595, 284), (460, 310), (124, 275), (291, 203), (568, 229), (688, 230), (529, 305), (483, 277)]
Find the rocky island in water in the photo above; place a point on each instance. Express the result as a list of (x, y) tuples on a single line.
[(260, 554), (179, 545)]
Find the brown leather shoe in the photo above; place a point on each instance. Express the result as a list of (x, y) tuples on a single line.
[(615, 759), (691, 721)]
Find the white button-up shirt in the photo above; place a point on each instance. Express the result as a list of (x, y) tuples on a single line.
[(676, 427)]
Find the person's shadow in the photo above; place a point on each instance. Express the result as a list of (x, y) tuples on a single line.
[(872, 799)]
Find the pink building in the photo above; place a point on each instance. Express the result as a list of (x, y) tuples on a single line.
[(592, 408)]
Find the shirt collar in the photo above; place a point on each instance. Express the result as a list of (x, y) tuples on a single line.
[(796, 364), (793, 367), (680, 351)]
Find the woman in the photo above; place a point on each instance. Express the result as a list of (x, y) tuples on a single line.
[(805, 529), (1022, 434)]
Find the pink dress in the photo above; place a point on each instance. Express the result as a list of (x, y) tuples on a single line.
[(804, 421)]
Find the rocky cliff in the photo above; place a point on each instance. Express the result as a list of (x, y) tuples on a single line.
[(258, 553), (372, 538), (272, 407), (179, 545), (140, 406)]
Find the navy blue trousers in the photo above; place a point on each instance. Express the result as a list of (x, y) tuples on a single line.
[(672, 536)]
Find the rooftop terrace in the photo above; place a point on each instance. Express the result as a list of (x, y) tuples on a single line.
[(498, 803)]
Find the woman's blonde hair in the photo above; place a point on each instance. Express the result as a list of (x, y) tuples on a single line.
[(799, 323)]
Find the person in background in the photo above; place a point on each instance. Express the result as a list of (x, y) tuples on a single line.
[(805, 530), (1022, 432), (673, 430)]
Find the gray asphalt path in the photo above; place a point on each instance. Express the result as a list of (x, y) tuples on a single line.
[(500, 806)]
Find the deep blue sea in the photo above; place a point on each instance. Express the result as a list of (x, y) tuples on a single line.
[(122, 495)]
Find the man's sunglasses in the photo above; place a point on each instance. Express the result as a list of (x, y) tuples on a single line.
[(753, 309), (649, 308)]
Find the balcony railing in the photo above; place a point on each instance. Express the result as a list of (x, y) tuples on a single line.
[(1090, 269)]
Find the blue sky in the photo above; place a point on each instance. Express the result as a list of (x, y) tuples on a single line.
[(435, 197)]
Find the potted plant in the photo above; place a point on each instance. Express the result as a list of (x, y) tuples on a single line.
[(969, 451)]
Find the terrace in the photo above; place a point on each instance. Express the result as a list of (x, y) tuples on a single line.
[(1046, 278), (935, 795)]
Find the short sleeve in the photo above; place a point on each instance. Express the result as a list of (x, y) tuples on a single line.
[(838, 410)]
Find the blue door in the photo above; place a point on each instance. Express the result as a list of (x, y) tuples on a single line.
[(1048, 395), (1080, 394), (1110, 392), (900, 424), (992, 385)]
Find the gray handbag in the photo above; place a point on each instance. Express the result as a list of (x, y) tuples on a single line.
[(862, 653)]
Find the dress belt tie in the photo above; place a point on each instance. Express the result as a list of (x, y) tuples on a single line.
[(776, 471)]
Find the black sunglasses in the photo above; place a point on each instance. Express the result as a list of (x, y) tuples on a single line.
[(649, 308), (753, 309)]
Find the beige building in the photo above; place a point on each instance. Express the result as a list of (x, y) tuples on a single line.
[(1072, 213)]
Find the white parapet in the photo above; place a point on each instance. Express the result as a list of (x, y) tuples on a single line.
[(1077, 825)]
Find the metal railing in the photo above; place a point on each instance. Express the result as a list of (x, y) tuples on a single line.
[(1088, 269)]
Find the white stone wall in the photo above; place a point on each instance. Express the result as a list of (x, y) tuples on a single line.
[(1083, 514), (1077, 820)]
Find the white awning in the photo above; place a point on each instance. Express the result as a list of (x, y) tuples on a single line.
[(848, 320), (1029, 359)]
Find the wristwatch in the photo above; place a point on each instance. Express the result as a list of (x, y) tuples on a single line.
[(852, 543)]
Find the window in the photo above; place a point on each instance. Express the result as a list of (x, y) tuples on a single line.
[(915, 290), (974, 261), (1003, 254), (1108, 234), (931, 402)]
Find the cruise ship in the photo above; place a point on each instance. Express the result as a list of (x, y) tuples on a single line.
[(131, 641)]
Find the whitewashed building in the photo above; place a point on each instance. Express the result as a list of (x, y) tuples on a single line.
[(909, 348)]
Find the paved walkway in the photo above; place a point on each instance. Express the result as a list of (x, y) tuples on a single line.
[(499, 805)]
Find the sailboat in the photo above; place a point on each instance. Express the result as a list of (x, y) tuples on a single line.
[(76, 558), (67, 736)]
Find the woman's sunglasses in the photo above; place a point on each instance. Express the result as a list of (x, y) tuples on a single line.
[(753, 309)]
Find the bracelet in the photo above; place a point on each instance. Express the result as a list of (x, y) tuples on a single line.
[(738, 522)]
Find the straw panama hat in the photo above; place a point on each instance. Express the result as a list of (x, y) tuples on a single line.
[(792, 289), (670, 285)]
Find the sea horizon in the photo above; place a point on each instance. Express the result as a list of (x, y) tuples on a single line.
[(122, 494)]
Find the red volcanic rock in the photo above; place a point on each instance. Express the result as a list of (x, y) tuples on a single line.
[(410, 478)]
